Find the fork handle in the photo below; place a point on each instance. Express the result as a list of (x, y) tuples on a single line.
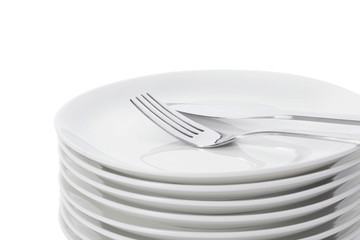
[(228, 111), (346, 119), (333, 137)]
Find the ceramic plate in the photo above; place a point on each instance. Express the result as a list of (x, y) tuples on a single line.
[(69, 234), (84, 232), (208, 192), (207, 206), (104, 126), (339, 229), (83, 209), (344, 228), (225, 221), (351, 233), (256, 204), (284, 213)]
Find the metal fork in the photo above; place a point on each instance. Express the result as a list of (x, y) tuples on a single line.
[(193, 133)]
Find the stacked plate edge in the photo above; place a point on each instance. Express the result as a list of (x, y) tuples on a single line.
[(123, 178)]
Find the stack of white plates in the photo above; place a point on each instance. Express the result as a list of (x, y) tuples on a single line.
[(124, 178)]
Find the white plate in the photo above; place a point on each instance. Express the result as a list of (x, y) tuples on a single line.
[(73, 187), (138, 185), (274, 215), (351, 233), (82, 206), (94, 230), (69, 234), (332, 230), (207, 192), (329, 231), (339, 229), (74, 230), (104, 126), (82, 231)]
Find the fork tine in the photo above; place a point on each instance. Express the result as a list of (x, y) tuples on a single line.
[(178, 115), (170, 116), (162, 123)]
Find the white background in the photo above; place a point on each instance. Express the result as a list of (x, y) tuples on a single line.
[(51, 51)]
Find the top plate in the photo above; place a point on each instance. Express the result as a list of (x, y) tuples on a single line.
[(104, 126)]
